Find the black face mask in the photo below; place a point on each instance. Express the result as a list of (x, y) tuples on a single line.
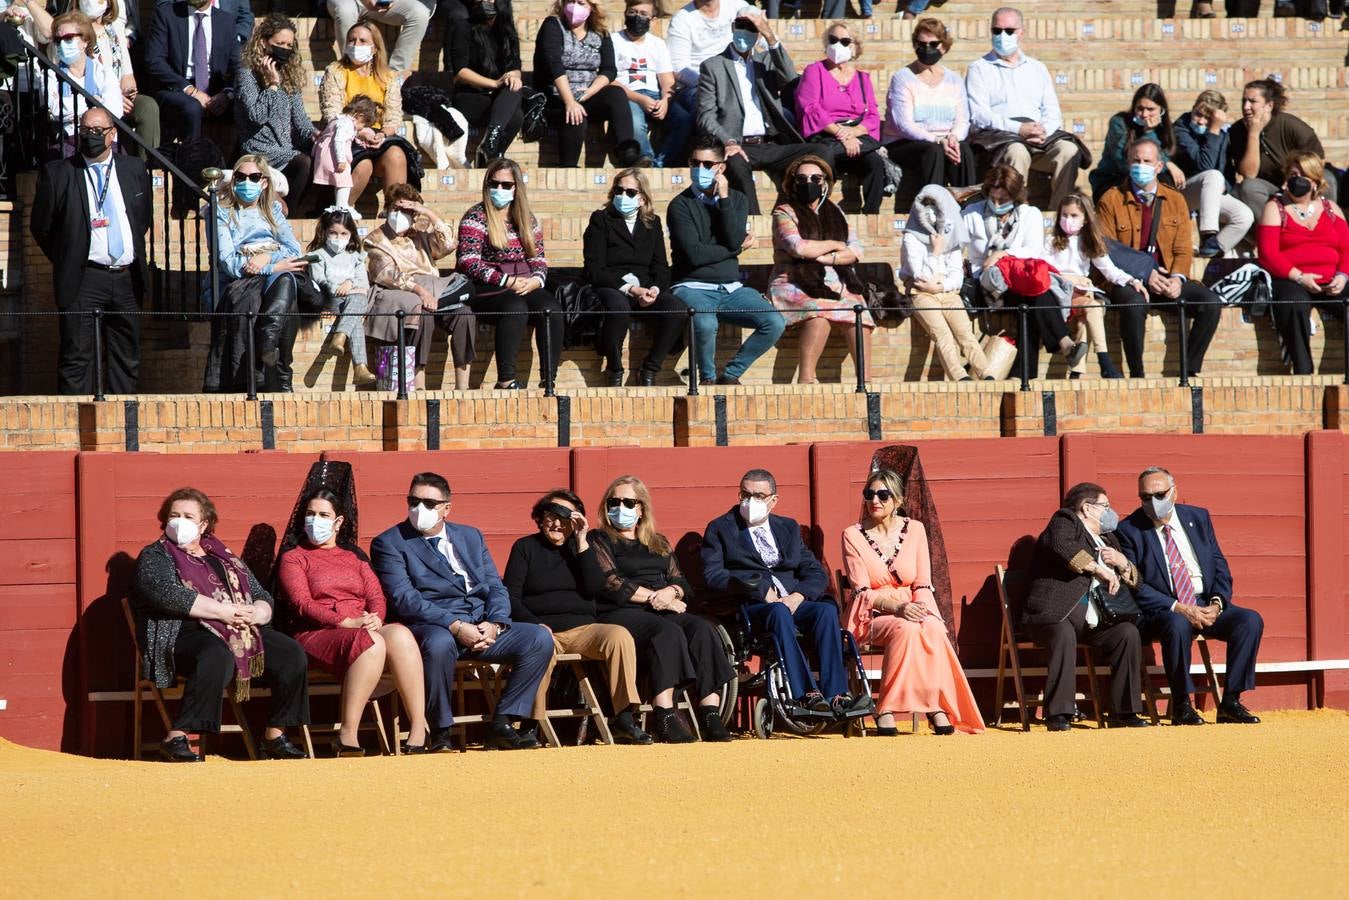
[(281, 55), (928, 56), (1299, 186), (808, 193), (636, 25), (92, 146)]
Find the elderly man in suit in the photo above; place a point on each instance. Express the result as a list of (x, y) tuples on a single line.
[(1185, 588), (740, 104), (192, 57), (443, 585), (90, 216), (790, 592)]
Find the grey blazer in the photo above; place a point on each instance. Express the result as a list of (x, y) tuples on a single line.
[(721, 110)]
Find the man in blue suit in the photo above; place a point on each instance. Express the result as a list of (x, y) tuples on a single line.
[(443, 585), (192, 58), (791, 592), (1185, 588)]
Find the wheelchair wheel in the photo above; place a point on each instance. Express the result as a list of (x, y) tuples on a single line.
[(775, 690), (763, 718), (731, 692)]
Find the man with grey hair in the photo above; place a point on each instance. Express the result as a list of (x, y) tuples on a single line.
[(1014, 111), (1185, 589)]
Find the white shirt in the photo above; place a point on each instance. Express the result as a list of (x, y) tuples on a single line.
[(1072, 261), (1094, 614), (749, 98), (192, 35), (1186, 553), (692, 37), (1027, 240), (638, 64), (443, 543), (98, 237), (917, 261), (1001, 93)]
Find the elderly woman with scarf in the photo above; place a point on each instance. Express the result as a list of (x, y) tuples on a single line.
[(932, 264), (202, 614), (813, 250)]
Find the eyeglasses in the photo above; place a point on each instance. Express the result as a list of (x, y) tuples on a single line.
[(428, 502), (616, 502), (254, 177), (1156, 495), (704, 163), (1103, 503), (810, 179), (627, 192), (504, 185), (927, 45), (845, 41), (1005, 30), (95, 130), (746, 495), (882, 494)]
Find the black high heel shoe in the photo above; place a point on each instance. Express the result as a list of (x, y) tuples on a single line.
[(948, 728), (343, 750)]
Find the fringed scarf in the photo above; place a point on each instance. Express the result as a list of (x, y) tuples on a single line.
[(245, 643)]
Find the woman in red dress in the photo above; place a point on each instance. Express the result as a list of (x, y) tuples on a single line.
[(338, 610)]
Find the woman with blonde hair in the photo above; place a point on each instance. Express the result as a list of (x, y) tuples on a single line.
[(501, 250), (269, 114), (74, 50), (625, 262), (891, 605), (645, 592)]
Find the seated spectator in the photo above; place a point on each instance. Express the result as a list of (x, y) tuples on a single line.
[(1076, 247), (1262, 140), (836, 106), (442, 583), (410, 17), (1304, 245), (1076, 556), (756, 131), (402, 257), (338, 273), (482, 52), (1146, 215), (697, 32), (1202, 148), (378, 150), (709, 227), (552, 577), (646, 76), (202, 614), (241, 10), (269, 115), (791, 592), (1205, 191), (338, 615), (1014, 111), (74, 49), (624, 252), (574, 65), (932, 266), (191, 63), (927, 118), (333, 149), (814, 249), (892, 605), (501, 250), (644, 591), (112, 49), (259, 261)]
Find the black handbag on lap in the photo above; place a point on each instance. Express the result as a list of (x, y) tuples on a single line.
[(1117, 607)]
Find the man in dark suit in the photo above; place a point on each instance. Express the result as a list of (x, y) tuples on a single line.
[(1185, 588), (757, 131), (192, 57), (791, 591), (242, 10), (90, 217), (442, 584)]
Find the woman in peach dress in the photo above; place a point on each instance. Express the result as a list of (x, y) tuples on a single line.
[(891, 605)]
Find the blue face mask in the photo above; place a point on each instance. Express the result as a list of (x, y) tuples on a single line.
[(743, 40), (623, 518), (1142, 174), (1197, 128), (501, 197), (1005, 44), (626, 205), (1000, 209), (318, 528), (248, 191), (69, 51), (702, 178)]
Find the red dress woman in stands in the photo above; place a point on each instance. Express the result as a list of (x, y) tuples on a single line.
[(337, 615)]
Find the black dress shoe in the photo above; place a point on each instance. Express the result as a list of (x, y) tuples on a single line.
[(646, 378), (614, 377), (704, 381), (511, 385), (503, 737), (529, 738), (629, 733), (340, 749), (1184, 714), (1233, 711), (178, 750), (1127, 720), (441, 741), (669, 730), (728, 381), (814, 702), (280, 747), (1059, 723), (714, 730)]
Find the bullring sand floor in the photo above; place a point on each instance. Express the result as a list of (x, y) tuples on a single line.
[(1226, 811)]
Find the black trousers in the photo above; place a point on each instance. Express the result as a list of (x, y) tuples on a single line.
[(929, 165), (675, 648), (113, 293), (1292, 317), (867, 166), (207, 663), (665, 318), (1119, 644), (299, 173), (768, 156), (1203, 306), (607, 105), (1046, 323), (1239, 627), (499, 109), (521, 311)]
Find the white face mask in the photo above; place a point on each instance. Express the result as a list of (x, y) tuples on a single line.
[(360, 54), (754, 512), (399, 221), (838, 54), (319, 529), (182, 531), (336, 245), (423, 519), (94, 9)]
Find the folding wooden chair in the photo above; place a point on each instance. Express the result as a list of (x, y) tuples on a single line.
[(469, 675), (1152, 693), (158, 695), (589, 710), (1009, 655), (323, 683)]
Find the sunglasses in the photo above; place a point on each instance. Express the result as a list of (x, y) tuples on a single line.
[(1157, 495), (746, 495), (627, 192), (704, 163), (810, 179), (254, 177), (95, 130), (615, 502), (845, 41), (882, 494), (1004, 31), (69, 37), (504, 185), (928, 45), (428, 502)]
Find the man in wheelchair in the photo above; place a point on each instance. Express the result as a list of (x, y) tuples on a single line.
[(761, 558)]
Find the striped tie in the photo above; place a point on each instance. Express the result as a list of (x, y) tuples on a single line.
[(1180, 573)]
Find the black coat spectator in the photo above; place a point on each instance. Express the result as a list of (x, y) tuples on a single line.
[(482, 52)]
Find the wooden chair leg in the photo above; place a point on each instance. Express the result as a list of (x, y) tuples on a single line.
[(592, 702), (137, 723), (998, 684), (395, 708), (1094, 686), (1150, 695), (693, 713), (379, 728), (1019, 683), (1209, 673), (549, 732), (244, 732), (308, 741)]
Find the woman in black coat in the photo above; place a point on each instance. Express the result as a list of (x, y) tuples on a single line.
[(1076, 552), (624, 247), (482, 52)]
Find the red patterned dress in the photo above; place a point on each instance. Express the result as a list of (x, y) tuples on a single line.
[(323, 588)]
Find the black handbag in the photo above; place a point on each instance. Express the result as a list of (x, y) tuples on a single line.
[(876, 282), (1117, 607), (534, 122)]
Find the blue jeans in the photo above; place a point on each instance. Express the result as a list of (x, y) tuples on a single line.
[(745, 307), (640, 129)]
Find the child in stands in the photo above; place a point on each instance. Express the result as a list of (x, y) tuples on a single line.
[(332, 149), (337, 269)]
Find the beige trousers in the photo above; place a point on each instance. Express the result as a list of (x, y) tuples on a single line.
[(1090, 326), (1060, 161), (608, 644), (944, 319)]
